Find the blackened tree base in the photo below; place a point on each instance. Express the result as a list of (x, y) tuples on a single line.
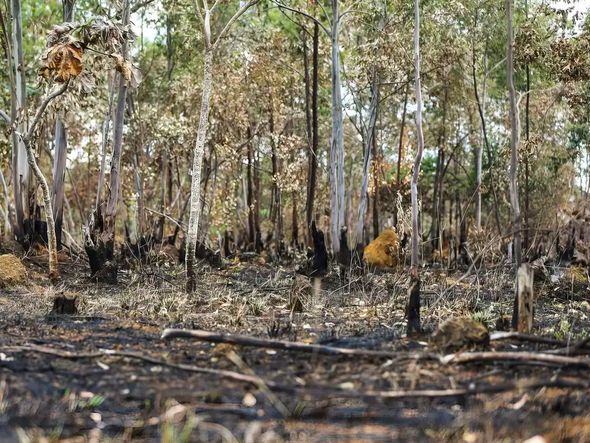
[(100, 247), (103, 268), (413, 308)]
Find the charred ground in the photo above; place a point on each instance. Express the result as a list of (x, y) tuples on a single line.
[(105, 374)]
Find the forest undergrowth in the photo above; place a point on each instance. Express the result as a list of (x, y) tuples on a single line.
[(105, 374)]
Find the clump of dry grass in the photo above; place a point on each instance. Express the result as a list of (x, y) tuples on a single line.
[(12, 271)]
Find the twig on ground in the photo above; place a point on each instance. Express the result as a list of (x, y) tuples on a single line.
[(501, 335), (243, 340), (527, 357), (570, 349), (236, 376)]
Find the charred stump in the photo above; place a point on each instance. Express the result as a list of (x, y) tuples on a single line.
[(100, 248), (319, 265), (413, 307), (523, 311), (344, 254), (63, 305)]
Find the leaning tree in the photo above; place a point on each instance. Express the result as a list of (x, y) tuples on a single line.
[(204, 13)]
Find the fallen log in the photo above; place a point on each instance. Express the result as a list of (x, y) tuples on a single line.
[(526, 357), (244, 340)]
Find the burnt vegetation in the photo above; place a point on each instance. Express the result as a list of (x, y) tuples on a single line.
[(272, 221)]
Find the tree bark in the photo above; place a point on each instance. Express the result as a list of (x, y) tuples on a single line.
[(311, 106), (514, 141), (59, 169), (20, 166), (207, 86), (413, 307), (419, 141), (250, 193), (368, 148), (195, 204), (313, 151), (438, 178), (276, 216), (398, 173), (106, 128), (26, 140), (526, 157), (377, 159), (61, 150), (337, 202), (51, 238), (514, 138), (481, 108), (100, 243)]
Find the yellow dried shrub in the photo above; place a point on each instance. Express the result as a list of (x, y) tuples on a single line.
[(383, 251), (12, 271)]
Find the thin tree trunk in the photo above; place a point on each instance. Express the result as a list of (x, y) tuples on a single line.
[(106, 128), (137, 181), (438, 177), (337, 202), (59, 167), (414, 298), (377, 157), (115, 174), (195, 204), (207, 86), (257, 197), (26, 140), (294, 223), (481, 103), (164, 172), (51, 239), (9, 215), (526, 157), (398, 173), (275, 200), (100, 247), (514, 141), (20, 166), (61, 149), (368, 148), (250, 193), (313, 151)]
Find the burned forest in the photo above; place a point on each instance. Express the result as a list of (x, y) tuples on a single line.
[(294, 221)]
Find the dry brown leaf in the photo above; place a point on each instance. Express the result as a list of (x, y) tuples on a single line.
[(62, 62), (122, 65), (130, 73)]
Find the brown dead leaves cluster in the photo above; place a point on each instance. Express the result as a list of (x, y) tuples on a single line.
[(63, 60), (129, 72)]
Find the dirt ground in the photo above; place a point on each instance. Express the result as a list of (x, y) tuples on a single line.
[(106, 375)]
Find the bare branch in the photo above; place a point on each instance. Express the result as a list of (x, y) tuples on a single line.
[(214, 5), (348, 10), (140, 5), (59, 91), (231, 21), (5, 117), (305, 14), (198, 11), (244, 340)]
